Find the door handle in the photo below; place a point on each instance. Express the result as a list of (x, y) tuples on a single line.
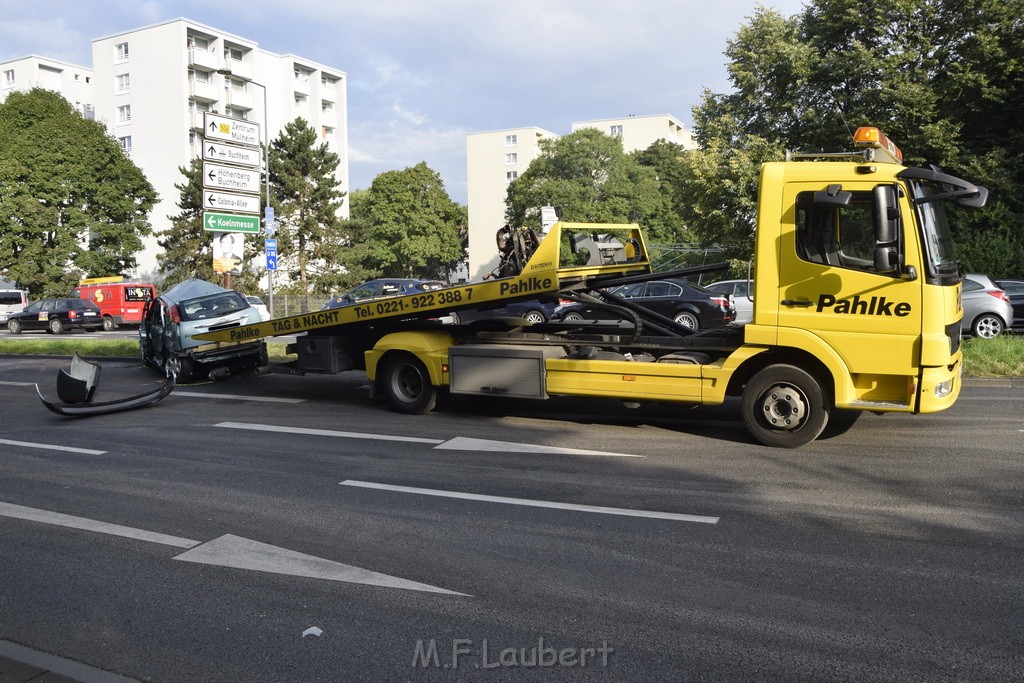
[(793, 302)]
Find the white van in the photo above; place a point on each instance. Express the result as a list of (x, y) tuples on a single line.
[(12, 301)]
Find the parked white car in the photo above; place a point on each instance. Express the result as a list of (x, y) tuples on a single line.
[(258, 304)]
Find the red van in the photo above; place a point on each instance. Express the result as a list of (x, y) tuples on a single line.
[(120, 303)]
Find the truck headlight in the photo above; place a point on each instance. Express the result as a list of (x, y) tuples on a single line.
[(943, 388)]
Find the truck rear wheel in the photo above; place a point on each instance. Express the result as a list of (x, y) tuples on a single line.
[(784, 406), (108, 324), (407, 385)]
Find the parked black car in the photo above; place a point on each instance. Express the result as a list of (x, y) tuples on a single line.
[(57, 316), (1015, 290), (688, 304), (382, 287), (534, 311)]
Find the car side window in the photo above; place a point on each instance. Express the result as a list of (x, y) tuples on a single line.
[(972, 285), (663, 289), (34, 307), (48, 304), (741, 288)]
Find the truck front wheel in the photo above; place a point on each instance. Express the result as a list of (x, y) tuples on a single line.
[(784, 406), (406, 384)]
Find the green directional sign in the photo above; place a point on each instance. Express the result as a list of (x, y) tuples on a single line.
[(229, 222)]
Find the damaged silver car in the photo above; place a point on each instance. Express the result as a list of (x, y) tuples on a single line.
[(170, 321)]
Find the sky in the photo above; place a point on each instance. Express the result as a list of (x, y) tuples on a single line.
[(423, 74)]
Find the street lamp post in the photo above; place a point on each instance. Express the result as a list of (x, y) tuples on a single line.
[(266, 170)]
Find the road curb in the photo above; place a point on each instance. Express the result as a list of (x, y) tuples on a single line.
[(21, 664)]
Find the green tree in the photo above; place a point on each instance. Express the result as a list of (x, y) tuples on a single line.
[(306, 200), (587, 175), (668, 161), (943, 78), (71, 203), (406, 225)]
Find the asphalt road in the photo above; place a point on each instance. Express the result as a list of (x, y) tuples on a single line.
[(198, 539)]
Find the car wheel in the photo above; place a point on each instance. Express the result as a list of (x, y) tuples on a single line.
[(688, 319), (534, 317), (108, 324), (987, 326), (14, 326), (406, 384), (56, 326), (572, 317), (181, 369), (784, 406), (455, 318)]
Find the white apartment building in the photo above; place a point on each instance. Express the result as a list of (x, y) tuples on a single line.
[(494, 159), (72, 81), (153, 85)]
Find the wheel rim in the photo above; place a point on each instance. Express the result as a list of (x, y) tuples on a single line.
[(55, 326), (533, 317), (783, 407), (988, 327), (108, 324), (14, 327), (406, 383), (687, 320), (573, 317), (172, 368)]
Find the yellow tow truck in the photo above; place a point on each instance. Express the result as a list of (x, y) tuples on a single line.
[(856, 308)]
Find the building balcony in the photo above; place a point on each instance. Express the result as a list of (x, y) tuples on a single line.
[(300, 84), (207, 92), (239, 69), (239, 99), (203, 59)]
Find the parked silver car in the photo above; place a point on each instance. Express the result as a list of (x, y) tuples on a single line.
[(740, 293), (987, 309), (193, 307)]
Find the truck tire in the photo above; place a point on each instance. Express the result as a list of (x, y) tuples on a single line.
[(406, 384), (108, 324), (784, 406)]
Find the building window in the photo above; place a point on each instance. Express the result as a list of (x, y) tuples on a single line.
[(616, 131), (123, 81), (326, 107), (9, 78), (328, 133), (511, 175), (236, 113), (126, 144), (201, 76), (121, 52), (233, 53), (511, 140), (124, 114), (301, 100), (511, 158)]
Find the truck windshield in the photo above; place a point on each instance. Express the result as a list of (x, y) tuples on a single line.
[(937, 238)]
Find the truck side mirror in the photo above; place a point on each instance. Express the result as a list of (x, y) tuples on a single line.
[(886, 215)]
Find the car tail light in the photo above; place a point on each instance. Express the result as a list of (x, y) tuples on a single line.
[(721, 301), (175, 314), (999, 294), (563, 302), (72, 314)]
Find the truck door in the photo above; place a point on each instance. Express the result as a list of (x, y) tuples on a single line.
[(830, 286)]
